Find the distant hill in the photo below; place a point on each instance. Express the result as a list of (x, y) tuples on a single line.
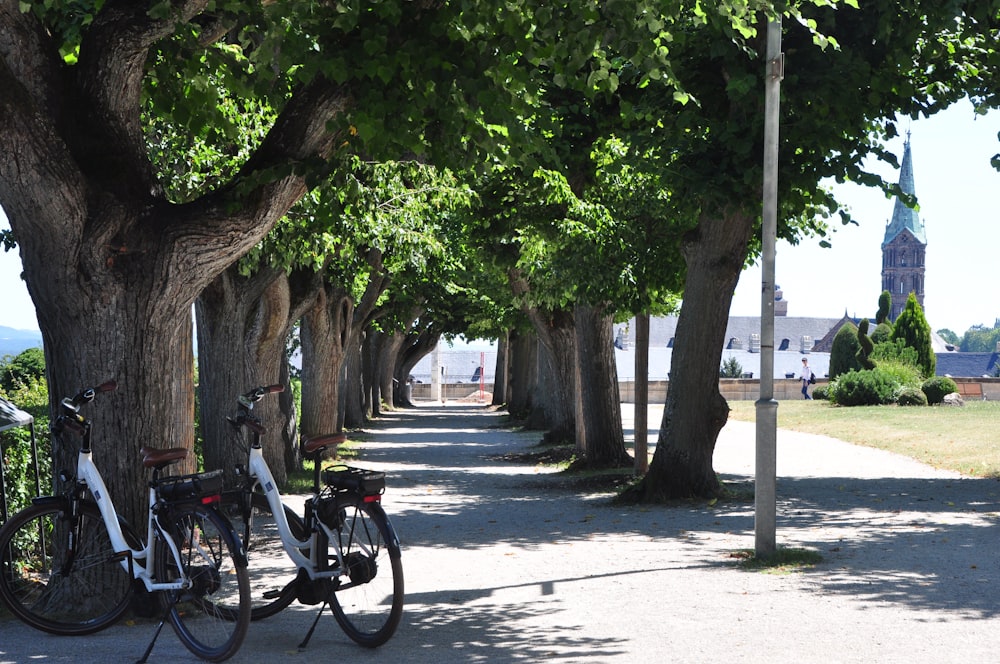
[(13, 341)]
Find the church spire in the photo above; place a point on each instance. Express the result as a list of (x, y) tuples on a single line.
[(903, 217), (905, 245)]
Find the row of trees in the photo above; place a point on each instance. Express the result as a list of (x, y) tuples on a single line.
[(977, 339), (379, 175)]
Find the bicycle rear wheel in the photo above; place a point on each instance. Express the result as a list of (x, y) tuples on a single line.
[(368, 598), (272, 572), (212, 615), (56, 590)]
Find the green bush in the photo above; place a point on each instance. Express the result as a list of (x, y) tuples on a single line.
[(864, 388), (912, 329), (911, 396), (894, 351), (821, 393), (865, 347), (22, 369), (881, 333), (15, 446), (936, 388), (902, 373), (843, 353), (731, 368)]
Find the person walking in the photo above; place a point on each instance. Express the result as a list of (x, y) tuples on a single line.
[(807, 377)]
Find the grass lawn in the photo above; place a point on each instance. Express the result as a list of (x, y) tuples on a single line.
[(965, 439)]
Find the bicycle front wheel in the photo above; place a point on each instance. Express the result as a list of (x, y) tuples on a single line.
[(368, 598), (272, 573), (212, 564), (59, 587)]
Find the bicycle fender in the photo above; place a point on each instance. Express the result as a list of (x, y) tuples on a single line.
[(235, 541), (60, 501), (394, 547)]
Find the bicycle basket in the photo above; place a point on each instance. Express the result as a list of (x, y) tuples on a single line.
[(189, 487), (357, 480)]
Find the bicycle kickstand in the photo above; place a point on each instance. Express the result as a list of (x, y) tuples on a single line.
[(305, 641), (156, 634)]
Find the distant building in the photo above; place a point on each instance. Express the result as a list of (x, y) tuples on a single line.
[(904, 245)]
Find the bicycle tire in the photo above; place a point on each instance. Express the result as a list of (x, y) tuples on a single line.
[(92, 594), (368, 598), (203, 615), (272, 573)]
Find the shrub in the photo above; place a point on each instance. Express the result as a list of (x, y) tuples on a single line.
[(15, 446), (936, 388), (894, 351), (912, 328), (22, 369), (822, 392), (844, 350), (864, 388), (884, 306), (865, 347), (901, 373), (881, 333), (911, 396), (731, 368)]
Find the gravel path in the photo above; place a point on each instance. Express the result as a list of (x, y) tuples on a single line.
[(506, 564)]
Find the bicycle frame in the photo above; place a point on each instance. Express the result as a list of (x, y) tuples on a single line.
[(89, 477), (261, 476)]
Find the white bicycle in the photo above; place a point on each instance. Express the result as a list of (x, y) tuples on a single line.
[(343, 552), (69, 564)]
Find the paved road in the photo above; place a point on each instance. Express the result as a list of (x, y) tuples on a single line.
[(504, 563)]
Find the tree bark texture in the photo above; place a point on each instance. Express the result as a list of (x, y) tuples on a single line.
[(502, 370), (641, 409), (243, 324), (418, 345), (695, 410), (370, 349), (523, 373), (112, 266), (352, 388), (557, 333), (325, 333), (598, 412)]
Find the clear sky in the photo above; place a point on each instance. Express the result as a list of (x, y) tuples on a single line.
[(959, 196)]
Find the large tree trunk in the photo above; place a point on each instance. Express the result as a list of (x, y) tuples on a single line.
[(523, 374), (386, 366), (369, 372), (641, 405), (599, 434), (500, 373), (695, 410), (355, 416), (113, 267), (243, 324), (544, 382), (556, 331), (417, 346), (326, 333)]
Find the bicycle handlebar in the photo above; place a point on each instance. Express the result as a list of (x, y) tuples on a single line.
[(256, 394), (71, 418), (72, 404), (246, 402)]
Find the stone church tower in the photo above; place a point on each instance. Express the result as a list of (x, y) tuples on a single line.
[(904, 246)]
